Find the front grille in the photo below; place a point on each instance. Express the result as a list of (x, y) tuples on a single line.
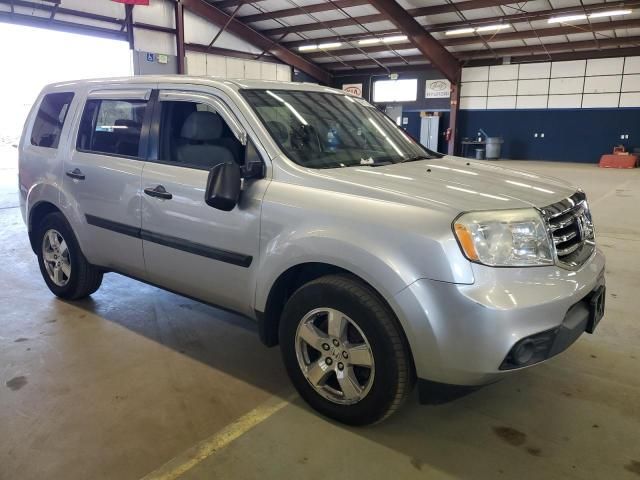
[(571, 228)]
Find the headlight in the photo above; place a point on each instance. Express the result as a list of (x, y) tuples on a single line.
[(504, 238)]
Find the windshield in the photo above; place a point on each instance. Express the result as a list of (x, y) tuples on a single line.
[(328, 130)]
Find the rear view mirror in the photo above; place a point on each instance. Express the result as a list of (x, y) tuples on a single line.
[(223, 186)]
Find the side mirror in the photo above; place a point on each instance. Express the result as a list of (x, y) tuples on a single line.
[(223, 186)]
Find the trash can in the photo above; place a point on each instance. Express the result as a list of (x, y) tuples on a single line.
[(494, 147), (479, 153)]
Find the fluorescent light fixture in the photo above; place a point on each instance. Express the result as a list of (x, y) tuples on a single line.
[(460, 31), (324, 46), (567, 18), (396, 38), (305, 48), (609, 13), (490, 28), (368, 41)]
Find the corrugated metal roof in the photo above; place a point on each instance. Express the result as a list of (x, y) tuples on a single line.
[(310, 22)]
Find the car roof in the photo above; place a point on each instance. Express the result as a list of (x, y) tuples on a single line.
[(225, 83)]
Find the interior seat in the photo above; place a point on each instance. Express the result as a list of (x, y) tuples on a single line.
[(127, 137), (200, 132)]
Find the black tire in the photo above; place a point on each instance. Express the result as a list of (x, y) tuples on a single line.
[(84, 278), (393, 378)]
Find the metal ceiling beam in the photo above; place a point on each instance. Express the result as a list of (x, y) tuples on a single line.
[(226, 52), (327, 6), (549, 47), (232, 3), (376, 71), (430, 48), (309, 27), (442, 27), (545, 32), (220, 18), (499, 37), (60, 25), (292, 12), (555, 57), (533, 16), (335, 52), (530, 51), (415, 61), (80, 14), (560, 57)]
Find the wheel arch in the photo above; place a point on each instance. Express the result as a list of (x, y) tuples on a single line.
[(291, 280), (36, 214)]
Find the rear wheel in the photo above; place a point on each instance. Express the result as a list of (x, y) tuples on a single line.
[(64, 268), (345, 351)]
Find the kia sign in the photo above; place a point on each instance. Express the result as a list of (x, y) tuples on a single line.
[(440, 88), (353, 89)]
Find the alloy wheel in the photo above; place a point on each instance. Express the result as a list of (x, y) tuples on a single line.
[(334, 356), (55, 255)]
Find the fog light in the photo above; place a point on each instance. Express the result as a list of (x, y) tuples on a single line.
[(530, 350), (523, 352)]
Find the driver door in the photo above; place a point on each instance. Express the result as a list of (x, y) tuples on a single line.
[(190, 247)]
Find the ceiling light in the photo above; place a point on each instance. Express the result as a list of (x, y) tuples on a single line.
[(305, 48), (460, 31), (324, 46), (490, 28), (567, 18), (396, 38), (610, 13), (368, 41)]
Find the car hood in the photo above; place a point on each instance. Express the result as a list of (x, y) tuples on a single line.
[(457, 183)]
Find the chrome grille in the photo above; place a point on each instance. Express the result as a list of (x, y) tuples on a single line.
[(571, 229)]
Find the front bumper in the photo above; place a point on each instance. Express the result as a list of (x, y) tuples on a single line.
[(464, 334)]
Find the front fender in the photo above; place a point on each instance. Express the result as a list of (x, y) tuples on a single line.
[(360, 256)]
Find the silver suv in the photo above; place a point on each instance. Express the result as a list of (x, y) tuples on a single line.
[(373, 262)]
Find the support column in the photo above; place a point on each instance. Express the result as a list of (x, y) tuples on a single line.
[(179, 13), (453, 117), (128, 24)]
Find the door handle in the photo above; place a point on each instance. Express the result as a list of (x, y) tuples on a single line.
[(76, 174), (158, 192)]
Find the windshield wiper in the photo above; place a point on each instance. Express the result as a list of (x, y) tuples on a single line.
[(415, 158)]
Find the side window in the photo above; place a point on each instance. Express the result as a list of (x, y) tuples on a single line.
[(112, 126), (194, 135), (50, 119)]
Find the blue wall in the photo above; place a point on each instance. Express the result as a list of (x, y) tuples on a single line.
[(570, 135)]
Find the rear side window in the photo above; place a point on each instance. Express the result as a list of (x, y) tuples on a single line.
[(112, 127), (50, 119)]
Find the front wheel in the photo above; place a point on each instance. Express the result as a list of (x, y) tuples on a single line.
[(344, 350), (64, 268)]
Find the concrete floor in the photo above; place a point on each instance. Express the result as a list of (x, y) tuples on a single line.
[(117, 385)]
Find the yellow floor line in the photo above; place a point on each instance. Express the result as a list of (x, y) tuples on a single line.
[(184, 462)]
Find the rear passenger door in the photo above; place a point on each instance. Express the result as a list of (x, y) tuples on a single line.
[(103, 174)]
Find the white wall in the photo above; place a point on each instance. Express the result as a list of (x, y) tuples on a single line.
[(218, 66), (594, 83)]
